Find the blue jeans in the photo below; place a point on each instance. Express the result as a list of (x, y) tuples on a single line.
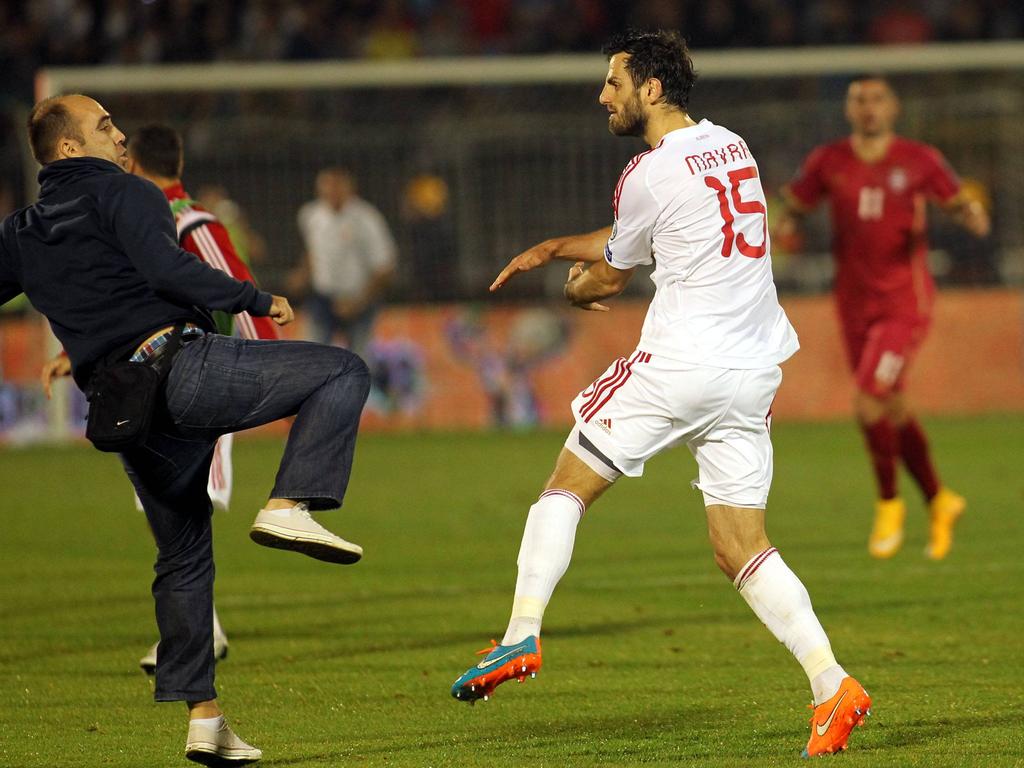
[(217, 385)]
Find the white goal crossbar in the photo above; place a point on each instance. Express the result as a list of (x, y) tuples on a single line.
[(522, 70)]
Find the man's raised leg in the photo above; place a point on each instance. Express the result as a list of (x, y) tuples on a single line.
[(257, 382)]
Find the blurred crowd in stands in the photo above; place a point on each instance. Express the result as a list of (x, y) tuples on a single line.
[(415, 197), (36, 33)]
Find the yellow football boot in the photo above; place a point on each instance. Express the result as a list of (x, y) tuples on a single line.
[(887, 533), (944, 510)]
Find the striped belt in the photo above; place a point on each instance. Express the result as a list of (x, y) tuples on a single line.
[(151, 346)]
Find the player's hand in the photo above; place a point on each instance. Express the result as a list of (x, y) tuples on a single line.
[(281, 311), (54, 369), (976, 219), (576, 271), (787, 235), (534, 257)]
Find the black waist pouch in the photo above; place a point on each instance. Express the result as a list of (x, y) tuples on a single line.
[(124, 397)]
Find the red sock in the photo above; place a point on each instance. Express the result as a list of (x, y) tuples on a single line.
[(917, 457), (883, 448)]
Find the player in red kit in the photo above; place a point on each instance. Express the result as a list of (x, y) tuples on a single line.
[(878, 185)]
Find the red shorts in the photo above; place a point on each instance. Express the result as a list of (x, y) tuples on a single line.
[(880, 352)]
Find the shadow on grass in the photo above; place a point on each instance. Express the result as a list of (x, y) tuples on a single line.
[(934, 730), (469, 640), (600, 738), (676, 735), (39, 655)]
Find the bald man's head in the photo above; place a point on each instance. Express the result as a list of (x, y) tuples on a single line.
[(49, 121), (74, 125)]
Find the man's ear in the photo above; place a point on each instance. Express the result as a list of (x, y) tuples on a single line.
[(653, 90), (67, 148)]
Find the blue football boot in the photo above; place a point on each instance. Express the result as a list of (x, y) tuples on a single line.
[(502, 662)]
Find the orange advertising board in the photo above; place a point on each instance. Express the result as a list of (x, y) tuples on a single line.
[(531, 362), (486, 365)]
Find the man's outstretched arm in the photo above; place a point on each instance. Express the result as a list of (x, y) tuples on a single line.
[(586, 248)]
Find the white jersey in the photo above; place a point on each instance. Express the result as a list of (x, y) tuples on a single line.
[(694, 205)]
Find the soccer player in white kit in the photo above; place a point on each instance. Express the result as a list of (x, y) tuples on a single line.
[(704, 373)]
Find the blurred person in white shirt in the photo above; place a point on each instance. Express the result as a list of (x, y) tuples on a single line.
[(349, 261)]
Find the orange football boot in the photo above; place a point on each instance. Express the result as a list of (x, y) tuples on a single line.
[(944, 510), (833, 720)]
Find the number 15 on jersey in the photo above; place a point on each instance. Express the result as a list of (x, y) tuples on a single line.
[(742, 208)]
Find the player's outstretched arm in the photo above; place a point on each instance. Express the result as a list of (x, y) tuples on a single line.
[(587, 248)]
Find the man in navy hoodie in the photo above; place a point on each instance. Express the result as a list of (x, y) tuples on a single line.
[(98, 256)]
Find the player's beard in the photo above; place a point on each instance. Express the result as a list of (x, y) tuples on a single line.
[(630, 121)]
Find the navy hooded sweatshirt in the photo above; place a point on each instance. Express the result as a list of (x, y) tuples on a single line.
[(98, 255)]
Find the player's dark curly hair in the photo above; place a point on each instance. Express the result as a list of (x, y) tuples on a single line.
[(661, 54), (158, 149)]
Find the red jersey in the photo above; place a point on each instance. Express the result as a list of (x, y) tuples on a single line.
[(878, 224), (200, 232)]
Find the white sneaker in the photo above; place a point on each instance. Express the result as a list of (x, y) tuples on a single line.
[(220, 650), (218, 747), (294, 529)]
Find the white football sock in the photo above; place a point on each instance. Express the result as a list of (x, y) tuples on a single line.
[(781, 601), (543, 558)]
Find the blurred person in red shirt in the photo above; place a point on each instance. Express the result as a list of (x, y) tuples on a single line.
[(878, 185)]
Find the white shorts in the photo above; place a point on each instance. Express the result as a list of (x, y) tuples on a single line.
[(644, 404)]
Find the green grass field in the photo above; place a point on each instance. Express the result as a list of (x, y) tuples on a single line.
[(651, 658)]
